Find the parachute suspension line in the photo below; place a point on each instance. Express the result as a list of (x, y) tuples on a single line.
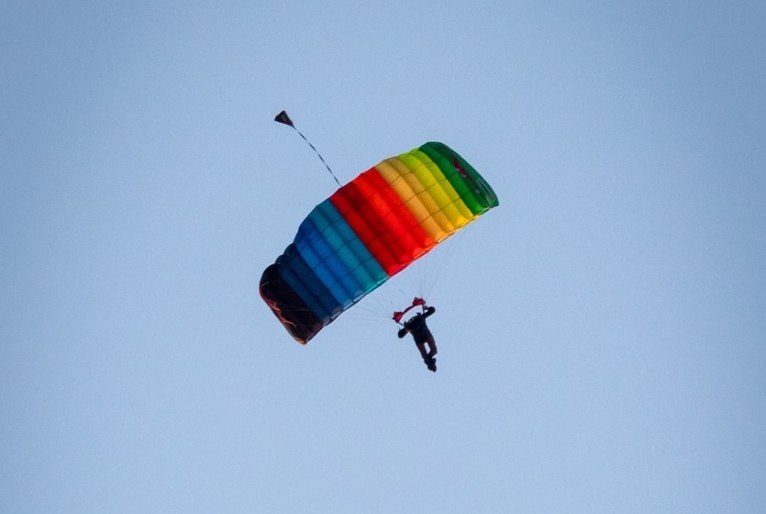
[(373, 311), (433, 269), (283, 118)]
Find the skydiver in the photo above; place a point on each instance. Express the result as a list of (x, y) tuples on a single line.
[(419, 329)]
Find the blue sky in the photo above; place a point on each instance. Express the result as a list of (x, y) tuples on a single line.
[(601, 333)]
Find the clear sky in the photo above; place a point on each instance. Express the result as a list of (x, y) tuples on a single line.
[(601, 333)]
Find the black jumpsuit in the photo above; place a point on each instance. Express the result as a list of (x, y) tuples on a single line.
[(419, 329)]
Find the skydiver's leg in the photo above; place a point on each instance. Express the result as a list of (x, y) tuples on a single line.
[(432, 346), (431, 362), (422, 348), (428, 358)]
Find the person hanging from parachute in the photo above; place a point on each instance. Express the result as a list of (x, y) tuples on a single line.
[(418, 327), (368, 230)]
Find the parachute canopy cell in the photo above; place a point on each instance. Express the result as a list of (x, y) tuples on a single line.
[(369, 230)]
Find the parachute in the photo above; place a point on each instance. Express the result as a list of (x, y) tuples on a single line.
[(369, 230)]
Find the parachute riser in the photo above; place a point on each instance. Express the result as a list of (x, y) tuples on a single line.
[(397, 317)]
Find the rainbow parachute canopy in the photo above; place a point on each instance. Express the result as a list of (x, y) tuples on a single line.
[(369, 230)]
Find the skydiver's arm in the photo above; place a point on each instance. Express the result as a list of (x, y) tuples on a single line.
[(429, 311), (402, 332)]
